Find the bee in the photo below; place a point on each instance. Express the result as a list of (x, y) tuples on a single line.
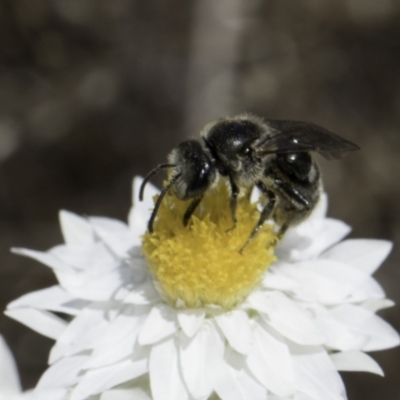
[(273, 155)]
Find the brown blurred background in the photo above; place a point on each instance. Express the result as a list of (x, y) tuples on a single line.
[(93, 92)]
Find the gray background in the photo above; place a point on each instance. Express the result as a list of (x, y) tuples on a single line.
[(93, 92)]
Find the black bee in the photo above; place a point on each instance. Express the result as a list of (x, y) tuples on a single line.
[(273, 155)]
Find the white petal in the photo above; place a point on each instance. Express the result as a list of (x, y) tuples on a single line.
[(250, 388), (67, 279), (82, 333), (101, 379), (332, 231), (235, 383), (51, 394), (363, 254), (114, 233), (106, 286), (236, 328), (292, 242), (302, 396), (118, 339), (324, 234), (75, 229), (201, 358), (126, 394), (276, 281), (291, 321), (356, 361), (83, 257), (270, 362), (140, 212), (53, 298), (370, 289), (321, 208), (44, 258), (325, 281), (43, 322), (62, 374), (190, 320), (375, 305), (316, 376), (361, 321), (339, 337), (139, 265), (297, 396), (146, 293), (92, 285), (255, 194), (352, 283), (9, 380), (166, 379), (258, 300), (160, 323)]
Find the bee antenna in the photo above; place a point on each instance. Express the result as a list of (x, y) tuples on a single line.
[(149, 175), (159, 200)]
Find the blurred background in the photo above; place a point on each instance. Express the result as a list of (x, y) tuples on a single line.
[(93, 92)]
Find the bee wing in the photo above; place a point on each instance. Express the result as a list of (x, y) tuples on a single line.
[(293, 136)]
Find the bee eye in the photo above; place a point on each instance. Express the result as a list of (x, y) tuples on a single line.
[(246, 150)]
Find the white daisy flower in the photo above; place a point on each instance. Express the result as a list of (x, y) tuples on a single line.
[(192, 319)]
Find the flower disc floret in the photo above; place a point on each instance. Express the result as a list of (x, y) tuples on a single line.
[(201, 263)]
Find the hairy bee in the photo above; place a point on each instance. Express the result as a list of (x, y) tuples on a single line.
[(273, 155)]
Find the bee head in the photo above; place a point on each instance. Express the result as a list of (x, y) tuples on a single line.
[(194, 167)]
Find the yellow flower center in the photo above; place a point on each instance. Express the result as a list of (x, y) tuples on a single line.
[(200, 264)]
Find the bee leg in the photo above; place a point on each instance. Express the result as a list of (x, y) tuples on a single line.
[(233, 202), (283, 229), (149, 175), (265, 213), (300, 207), (159, 200), (293, 194), (190, 210)]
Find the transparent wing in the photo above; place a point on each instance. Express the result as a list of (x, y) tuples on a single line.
[(294, 136)]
